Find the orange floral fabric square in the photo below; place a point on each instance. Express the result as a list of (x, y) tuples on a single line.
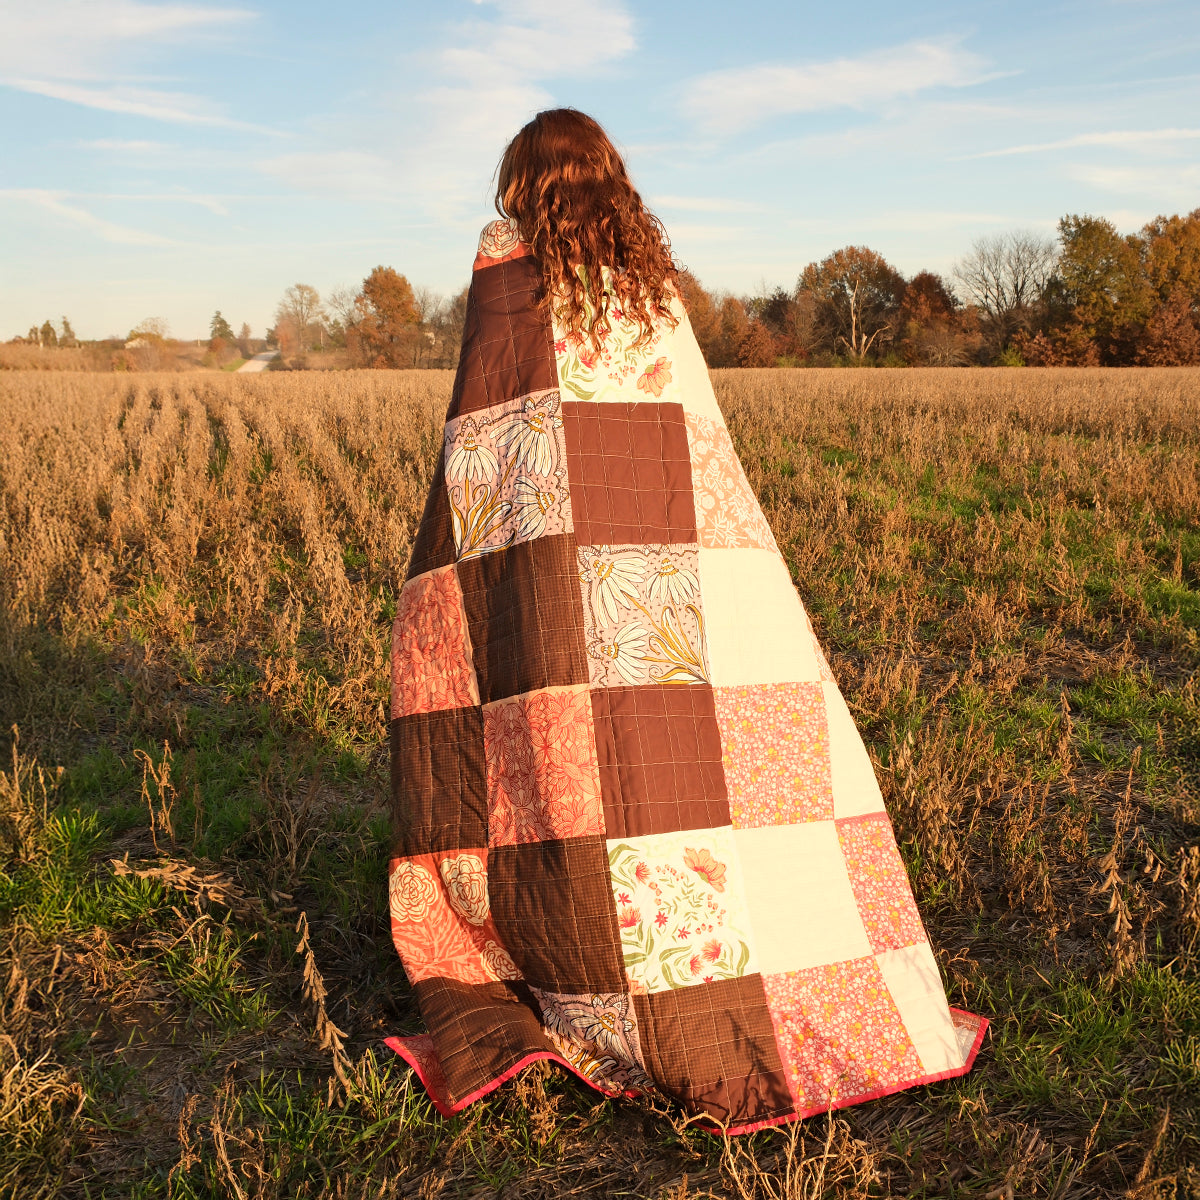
[(432, 667), (839, 1032), (441, 919), (880, 882), (543, 778), (727, 513), (775, 749)]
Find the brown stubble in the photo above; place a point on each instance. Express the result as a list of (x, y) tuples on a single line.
[(985, 555)]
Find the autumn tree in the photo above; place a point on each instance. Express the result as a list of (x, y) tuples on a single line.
[(702, 313), (68, 334), (856, 294), (1172, 256), (931, 329), (298, 318), (1171, 337), (243, 340), (1006, 276), (48, 335), (386, 324), (1102, 282)]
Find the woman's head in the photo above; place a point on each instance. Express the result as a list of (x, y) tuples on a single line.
[(564, 183)]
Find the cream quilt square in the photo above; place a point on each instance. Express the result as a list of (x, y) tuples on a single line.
[(855, 787), (756, 629), (802, 908)]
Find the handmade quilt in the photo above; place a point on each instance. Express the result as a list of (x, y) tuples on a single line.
[(636, 830)]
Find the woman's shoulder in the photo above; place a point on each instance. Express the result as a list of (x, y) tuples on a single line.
[(499, 241)]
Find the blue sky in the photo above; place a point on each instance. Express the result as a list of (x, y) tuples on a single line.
[(169, 159)]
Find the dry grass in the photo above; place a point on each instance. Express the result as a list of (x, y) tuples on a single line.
[(198, 577)]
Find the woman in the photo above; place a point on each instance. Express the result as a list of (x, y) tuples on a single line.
[(637, 832)]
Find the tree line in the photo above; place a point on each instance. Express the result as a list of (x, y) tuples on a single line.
[(1090, 297)]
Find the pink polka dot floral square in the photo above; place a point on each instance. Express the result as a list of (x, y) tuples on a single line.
[(775, 749), (839, 1032), (880, 882)]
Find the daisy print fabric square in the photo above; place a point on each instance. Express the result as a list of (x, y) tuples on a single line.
[(506, 475), (643, 619), (680, 911)]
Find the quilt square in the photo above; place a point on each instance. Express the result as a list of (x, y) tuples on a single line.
[(798, 895), (439, 781), (727, 513), (659, 751), (432, 665), (543, 780), (643, 617), (775, 739), (630, 473), (678, 899), (433, 545), (598, 1036), (507, 351), (441, 918), (754, 620), (713, 1048), (475, 1031), (506, 475), (524, 609), (623, 367), (553, 907), (880, 882), (855, 787), (839, 1033)]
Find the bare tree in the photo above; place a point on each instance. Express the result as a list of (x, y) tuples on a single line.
[(298, 311), (1005, 276)]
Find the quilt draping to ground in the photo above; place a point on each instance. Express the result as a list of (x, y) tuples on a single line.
[(636, 829)]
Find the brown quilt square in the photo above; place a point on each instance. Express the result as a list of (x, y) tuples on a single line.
[(433, 546), (659, 751), (713, 1048), (479, 1030), (439, 782), (553, 907), (525, 616), (630, 473), (507, 349)]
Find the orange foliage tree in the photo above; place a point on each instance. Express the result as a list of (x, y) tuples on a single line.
[(387, 323)]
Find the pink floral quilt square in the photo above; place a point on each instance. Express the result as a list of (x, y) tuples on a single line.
[(775, 749), (727, 513), (506, 475), (441, 919), (839, 1032), (643, 617), (432, 667), (543, 779), (880, 882)]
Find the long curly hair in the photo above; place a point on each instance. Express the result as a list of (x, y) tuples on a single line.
[(565, 184)]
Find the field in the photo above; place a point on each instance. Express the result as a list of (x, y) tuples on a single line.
[(197, 576)]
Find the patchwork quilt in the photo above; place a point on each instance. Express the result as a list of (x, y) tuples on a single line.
[(636, 830)]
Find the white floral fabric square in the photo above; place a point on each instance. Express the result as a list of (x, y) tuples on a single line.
[(643, 618), (506, 475), (680, 909)]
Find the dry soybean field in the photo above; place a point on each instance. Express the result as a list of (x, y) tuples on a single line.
[(197, 578)]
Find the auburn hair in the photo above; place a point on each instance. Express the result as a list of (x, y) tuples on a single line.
[(565, 185)]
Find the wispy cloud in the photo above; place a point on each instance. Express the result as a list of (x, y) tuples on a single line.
[(56, 203), (82, 52), (1111, 137), (726, 101), (464, 98)]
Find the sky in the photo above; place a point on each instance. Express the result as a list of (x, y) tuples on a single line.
[(171, 159)]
